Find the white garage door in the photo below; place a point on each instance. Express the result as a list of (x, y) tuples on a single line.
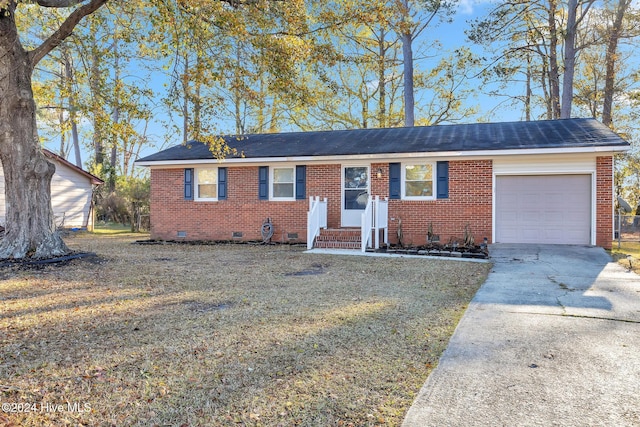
[(543, 209)]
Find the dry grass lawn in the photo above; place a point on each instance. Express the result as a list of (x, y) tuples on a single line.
[(627, 255), (181, 335)]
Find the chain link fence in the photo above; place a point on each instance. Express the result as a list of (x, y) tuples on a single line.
[(627, 228)]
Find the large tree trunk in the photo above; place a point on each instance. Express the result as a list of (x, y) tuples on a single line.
[(382, 83), (407, 61), (569, 59), (571, 51), (610, 62), (528, 93), (409, 100), (96, 106), (30, 229), (185, 100), (554, 73), (68, 81), (544, 78)]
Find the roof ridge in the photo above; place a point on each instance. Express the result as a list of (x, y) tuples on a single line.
[(469, 137)]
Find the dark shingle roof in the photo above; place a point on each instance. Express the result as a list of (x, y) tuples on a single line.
[(545, 134)]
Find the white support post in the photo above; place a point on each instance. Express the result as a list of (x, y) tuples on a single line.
[(316, 219), (376, 220), (323, 213)]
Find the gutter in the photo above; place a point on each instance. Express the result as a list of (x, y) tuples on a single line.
[(391, 156)]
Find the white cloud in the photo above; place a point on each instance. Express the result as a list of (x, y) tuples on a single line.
[(466, 7)]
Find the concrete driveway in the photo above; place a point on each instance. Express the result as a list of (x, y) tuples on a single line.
[(551, 338)]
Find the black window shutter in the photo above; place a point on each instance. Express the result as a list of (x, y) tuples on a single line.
[(188, 184), (394, 181), (442, 173), (263, 183), (301, 182), (222, 183)]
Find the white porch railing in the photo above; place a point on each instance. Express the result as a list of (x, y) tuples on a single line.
[(316, 219), (375, 218), (381, 220), (366, 225)]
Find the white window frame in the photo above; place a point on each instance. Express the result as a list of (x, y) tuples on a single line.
[(272, 183), (403, 181), (196, 190)]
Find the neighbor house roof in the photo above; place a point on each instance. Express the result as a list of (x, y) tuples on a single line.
[(556, 135), (94, 179)]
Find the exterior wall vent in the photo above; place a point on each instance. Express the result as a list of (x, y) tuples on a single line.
[(182, 234), (236, 234), (292, 236)]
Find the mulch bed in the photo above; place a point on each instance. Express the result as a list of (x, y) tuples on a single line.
[(432, 249), (439, 250), (30, 262)]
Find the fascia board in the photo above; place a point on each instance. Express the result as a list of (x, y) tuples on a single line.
[(389, 156)]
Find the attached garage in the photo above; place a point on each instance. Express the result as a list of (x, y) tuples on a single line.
[(552, 209)]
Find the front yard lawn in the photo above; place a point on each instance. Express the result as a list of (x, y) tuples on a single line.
[(182, 335), (627, 255)]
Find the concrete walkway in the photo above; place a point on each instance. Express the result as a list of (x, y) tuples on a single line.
[(551, 339)]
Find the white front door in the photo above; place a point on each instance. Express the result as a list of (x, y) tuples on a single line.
[(355, 194)]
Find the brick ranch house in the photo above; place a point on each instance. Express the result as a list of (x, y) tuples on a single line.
[(517, 182)]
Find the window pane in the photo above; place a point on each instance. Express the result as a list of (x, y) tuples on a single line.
[(283, 182), (357, 177), (282, 190), (418, 173), (355, 199), (207, 191), (418, 188), (283, 175), (207, 183), (207, 176)]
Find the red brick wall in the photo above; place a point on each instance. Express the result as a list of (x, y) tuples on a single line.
[(604, 201), (241, 212), (326, 181), (469, 202)]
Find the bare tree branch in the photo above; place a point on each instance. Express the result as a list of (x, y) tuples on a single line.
[(67, 26), (58, 3)]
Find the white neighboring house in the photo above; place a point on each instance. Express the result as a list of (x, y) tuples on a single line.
[(71, 194)]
